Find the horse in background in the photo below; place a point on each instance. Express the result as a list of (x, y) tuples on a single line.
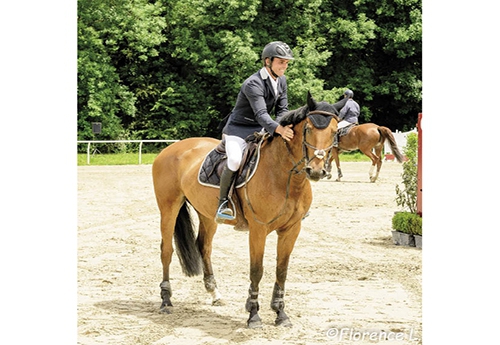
[(276, 198), (369, 138)]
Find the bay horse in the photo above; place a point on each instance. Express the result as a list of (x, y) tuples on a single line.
[(277, 197), (369, 138)]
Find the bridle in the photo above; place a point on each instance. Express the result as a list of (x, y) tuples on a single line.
[(318, 153)]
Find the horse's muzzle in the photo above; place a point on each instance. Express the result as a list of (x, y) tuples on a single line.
[(315, 175)]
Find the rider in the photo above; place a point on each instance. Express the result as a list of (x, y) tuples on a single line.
[(259, 94), (348, 114)]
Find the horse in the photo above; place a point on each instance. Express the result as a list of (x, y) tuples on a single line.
[(369, 138), (276, 198)]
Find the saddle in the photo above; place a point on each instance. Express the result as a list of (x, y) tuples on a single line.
[(344, 131), (214, 162)]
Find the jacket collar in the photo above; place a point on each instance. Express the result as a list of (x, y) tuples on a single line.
[(263, 73)]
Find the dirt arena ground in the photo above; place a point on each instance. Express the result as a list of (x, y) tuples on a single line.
[(347, 283)]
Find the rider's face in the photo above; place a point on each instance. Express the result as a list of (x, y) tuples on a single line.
[(279, 66)]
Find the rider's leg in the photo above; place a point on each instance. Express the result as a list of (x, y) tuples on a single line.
[(234, 150), (340, 125)]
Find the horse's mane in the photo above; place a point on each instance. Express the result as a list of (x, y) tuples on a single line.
[(294, 116)]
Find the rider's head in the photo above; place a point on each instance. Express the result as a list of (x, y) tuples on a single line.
[(348, 93), (276, 49)]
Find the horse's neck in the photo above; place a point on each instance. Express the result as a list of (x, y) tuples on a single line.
[(285, 158)]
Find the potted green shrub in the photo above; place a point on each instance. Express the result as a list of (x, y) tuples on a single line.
[(407, 224)]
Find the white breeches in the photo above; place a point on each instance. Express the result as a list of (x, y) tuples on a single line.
[(234, 150), (343, 124)]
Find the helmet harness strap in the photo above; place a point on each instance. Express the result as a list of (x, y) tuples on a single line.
[(271, 68)]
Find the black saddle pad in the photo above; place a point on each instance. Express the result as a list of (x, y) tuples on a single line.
[(211, 168)]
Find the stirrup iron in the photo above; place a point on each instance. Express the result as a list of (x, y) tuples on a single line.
[(224, 212)]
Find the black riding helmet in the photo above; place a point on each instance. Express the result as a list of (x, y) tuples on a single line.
[(277, 49), (349, 93)]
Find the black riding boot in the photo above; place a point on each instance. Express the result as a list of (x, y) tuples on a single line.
[(224, 212)]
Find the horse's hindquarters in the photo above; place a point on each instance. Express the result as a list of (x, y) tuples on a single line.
[(177, 164)]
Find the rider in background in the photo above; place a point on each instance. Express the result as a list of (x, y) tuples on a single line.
[(348, 114), (262, 92)]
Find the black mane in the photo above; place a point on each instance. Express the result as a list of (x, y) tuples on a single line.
[(294, 116)]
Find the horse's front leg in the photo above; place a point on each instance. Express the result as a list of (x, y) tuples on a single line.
[(337, 163), (206, 234), (286, 242), (257, 239)]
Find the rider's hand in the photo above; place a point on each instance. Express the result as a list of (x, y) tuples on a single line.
[(285, 132)]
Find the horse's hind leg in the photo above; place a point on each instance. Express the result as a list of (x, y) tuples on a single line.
[(206, 233), (167, 231), (375, 159), (378, 154)]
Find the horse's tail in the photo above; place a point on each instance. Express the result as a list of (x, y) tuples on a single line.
[(185, 241), (387, 134)]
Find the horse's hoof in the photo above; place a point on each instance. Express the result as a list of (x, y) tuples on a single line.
[(283, 322), (165, 310), (338, 179), (254, 322), (218, 303)]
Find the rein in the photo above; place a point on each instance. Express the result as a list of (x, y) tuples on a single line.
[(319, 153)]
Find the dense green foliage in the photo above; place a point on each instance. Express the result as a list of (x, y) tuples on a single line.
[(406, 196), (172, 69)]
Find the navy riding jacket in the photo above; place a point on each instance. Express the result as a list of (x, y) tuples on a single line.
[(255, 102)]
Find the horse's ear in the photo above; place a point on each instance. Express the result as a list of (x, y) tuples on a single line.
[(311, 103)]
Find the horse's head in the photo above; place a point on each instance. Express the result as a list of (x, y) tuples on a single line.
[(315, 126)]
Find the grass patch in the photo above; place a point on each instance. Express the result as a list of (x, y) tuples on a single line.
[(116, 158), (354, 156), (148, 158)]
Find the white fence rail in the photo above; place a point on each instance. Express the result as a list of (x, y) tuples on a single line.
[(90, 142), (399, 136)]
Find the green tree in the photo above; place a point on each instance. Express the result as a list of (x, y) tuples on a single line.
[(115, 38), (377, 51), (172, 69)]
